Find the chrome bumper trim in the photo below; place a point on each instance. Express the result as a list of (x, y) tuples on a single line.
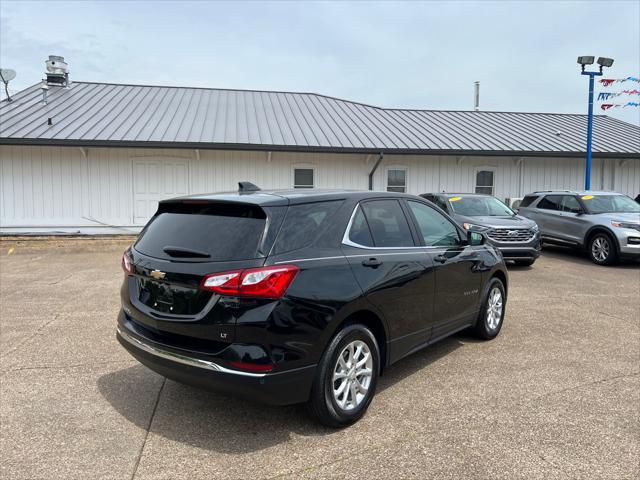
[(183, 359)]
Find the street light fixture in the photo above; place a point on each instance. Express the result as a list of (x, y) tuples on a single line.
[(602, 62), (605, 62)]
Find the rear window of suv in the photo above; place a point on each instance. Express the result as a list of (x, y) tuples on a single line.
[(219, 231)]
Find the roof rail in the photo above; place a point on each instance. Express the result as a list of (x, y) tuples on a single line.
[(554, 191)]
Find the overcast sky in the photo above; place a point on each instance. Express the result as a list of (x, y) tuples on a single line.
[(390, 54)]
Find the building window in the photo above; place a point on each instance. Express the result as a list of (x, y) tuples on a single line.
[(484, 181), (397, 180), (303, 178)]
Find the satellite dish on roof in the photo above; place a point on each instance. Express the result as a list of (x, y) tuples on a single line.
[(6, 75)]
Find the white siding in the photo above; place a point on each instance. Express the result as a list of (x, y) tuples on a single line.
[(61, 189)]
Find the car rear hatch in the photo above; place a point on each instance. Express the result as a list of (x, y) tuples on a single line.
[(187, 240)]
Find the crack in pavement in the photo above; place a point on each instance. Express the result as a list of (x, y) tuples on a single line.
[(311, 468), (146, 436), (580, 385), (62, 367), (31, 337)]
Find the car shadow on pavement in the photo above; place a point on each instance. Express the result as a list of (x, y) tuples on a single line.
[(577, 256), (215, 422)]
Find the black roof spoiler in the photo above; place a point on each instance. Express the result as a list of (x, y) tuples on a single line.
[(245, 187)]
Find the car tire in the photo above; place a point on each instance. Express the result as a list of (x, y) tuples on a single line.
[(525, 263), (602, 249), (330, 405), (492, 309)]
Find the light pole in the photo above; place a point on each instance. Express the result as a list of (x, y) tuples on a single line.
[(584, 61)]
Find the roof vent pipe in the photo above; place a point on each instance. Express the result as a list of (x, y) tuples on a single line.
[(44, 87), (476, 96)]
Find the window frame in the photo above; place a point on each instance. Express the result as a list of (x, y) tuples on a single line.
[(562, 205), (386, 177), (417, 241), (413, 227), (303, 166), (477, 170), (558, 195)]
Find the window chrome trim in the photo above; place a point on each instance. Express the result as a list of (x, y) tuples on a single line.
[(350, 243), (183, 359)]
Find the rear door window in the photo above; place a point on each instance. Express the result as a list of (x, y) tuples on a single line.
[(388, 224), (570, 204), (442, 203), (207, 231), (303, 224), (360, 232), (551, 202), (528, 200)]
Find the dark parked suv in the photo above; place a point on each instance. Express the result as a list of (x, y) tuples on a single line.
[(515, 236), (302, 296)]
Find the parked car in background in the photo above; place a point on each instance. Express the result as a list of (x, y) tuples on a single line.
[(302, 296), (515, 236), (606, 224)]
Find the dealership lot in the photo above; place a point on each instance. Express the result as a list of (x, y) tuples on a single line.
[(556, 395)]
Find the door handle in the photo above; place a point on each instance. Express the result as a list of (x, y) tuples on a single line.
[(440, 258), (372, 262)]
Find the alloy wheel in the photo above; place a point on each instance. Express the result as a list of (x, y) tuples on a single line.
[(494, 308), (352, 375), (600, 249)]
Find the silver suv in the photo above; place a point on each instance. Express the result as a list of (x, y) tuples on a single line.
[(516, 237), (606, 224)]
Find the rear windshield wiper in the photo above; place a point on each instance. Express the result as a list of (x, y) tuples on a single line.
[(184, 252)]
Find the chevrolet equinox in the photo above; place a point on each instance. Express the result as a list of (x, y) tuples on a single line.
[(287, 297)]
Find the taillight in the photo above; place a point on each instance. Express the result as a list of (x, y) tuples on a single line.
[(225, 282), (266, 282), (126, 263)]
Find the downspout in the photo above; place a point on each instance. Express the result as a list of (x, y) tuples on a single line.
[(373, 170)]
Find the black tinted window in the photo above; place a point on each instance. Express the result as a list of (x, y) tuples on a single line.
[(360, 232), (551, 202), (528, 200), (388, 224), (442, 203), (435, 228), (222, 231), (303, 223), (570, 204)]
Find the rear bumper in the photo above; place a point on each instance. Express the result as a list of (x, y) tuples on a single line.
[(273, 388)]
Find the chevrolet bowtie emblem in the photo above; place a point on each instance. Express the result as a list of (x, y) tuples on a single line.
[(157, 274)]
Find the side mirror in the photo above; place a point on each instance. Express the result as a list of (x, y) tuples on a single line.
[(475, 238)]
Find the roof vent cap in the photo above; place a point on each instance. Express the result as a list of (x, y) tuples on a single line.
[(57, 71)]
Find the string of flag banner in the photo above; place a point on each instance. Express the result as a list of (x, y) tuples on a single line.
[(607, 82)]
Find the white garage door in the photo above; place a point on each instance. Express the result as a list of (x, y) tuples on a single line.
[(155, 180)]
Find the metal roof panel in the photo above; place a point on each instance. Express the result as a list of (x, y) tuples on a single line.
[(113, 114)]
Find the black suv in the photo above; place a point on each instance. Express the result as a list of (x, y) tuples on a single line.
[(302, 296)]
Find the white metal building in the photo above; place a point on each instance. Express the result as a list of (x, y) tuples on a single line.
[(96, 158)]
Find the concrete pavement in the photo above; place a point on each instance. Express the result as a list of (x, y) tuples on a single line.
[(556, 395)]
